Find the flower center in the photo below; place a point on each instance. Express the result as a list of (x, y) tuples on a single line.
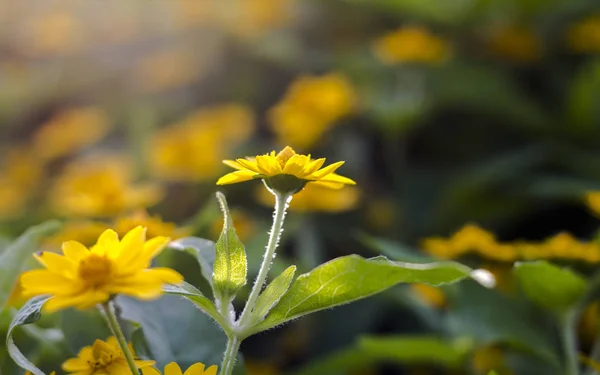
[(284, 155), (103, 355), (95, 270)]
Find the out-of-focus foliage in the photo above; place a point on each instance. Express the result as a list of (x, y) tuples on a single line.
[(470, 126)]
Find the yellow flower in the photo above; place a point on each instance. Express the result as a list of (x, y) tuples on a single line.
[(515, 43), (592, 199), (174, 369), (310, 107), (102, 358), (100, 187), (54, 32), (286, 171), (192, 149), (488, 358), (410, 44), (584, 36), (20, 174), (168, 69), (154, 225), (70, 131), (85, 277), (315, 198), (85, 232), (250, 19)]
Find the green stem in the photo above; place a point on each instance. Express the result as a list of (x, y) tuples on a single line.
[(569, 340), (594, 356), (281, 203), (233, 345), (114, 326)]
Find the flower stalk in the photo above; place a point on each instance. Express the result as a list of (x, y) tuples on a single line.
[(115, 327)]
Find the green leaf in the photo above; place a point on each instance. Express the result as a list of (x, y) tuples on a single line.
[(29, 313), (13, 259), (492, 373), (201, 249), (231, 267), (550, 286), (175, 331), (405, 349), (71, 321), (273, 293), (393, 250), (352, 277), (195, 296)]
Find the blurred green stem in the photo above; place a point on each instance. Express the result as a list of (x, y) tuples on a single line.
[(233, 345), (113, 324), (594, 356), (281, 203), (569, 340)]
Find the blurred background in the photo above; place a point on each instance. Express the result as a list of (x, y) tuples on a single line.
[(470, 126)]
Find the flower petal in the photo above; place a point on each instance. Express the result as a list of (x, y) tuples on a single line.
[(295, 165), (36, 282), (235, 177), (82, 301), (268, 165), (248, 164), (166, 275), (327, 170), (234, 164), (195, 369), (314, 166), (74, 250), (150, 371), (58, 264), (172, 369)]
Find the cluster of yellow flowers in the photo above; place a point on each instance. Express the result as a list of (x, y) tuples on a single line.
[(584, 36), (411, 44), (192, 149), (515, 43), (310, 107), (472, 239)]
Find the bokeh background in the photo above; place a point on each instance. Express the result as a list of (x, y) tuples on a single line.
[(472, 128)]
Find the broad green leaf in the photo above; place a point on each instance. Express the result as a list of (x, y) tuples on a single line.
[(413, 349), (201, 249), (195, 296), (16, 255), (553, 287), (29, 313), (175, 331), (273, 293), (231, 267), (370, 350), (352, 277)]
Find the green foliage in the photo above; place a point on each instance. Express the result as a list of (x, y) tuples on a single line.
[(29, 313), (230, 267), (201, 249), (13, 259), (192, 294), (352, 277), (273, 293), (555, 288)]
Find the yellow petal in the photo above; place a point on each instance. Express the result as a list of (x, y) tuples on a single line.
[(268, 166), (328, 185), (74, 250), (81, 301), (166, 275), (295, 165), (314, 166), (327, 170), (248, 164), (143, 363), (234, 164), (172, 369), (212, 370), (58, 264), (333, 177), (154, 246), (36, 282), (132, 243), (235, 177), (195, 369), (150, 371), (109, 239), (75, 364), (114, 368)]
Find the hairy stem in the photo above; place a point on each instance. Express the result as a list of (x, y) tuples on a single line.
[(233, 345), (113, 324), (281, 203)]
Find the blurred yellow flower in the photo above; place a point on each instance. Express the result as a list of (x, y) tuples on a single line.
[(381, 213), (249, 19), (315, 198), (174, 369), (20, 174), (154, 225), (192, 149), (469, 238), (70, 131), (488, 358), (515, 43), (310, 107), (55, 32), (411, 44), (100, 187), (167, 69), (261, 368), (432, 296), (286, 171), (584, 36), (592, 199), (103, 357), (83, 277), (85, 232), (244, 226)]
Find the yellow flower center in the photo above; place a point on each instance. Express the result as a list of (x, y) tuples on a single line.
[(95, 270), (103, 355), (284, 155)]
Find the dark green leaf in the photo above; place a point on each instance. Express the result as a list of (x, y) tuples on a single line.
[(197, 298)]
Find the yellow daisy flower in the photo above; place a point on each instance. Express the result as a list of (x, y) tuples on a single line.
[(104, 357), (85, 277), (174, 369), (285, 172)]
